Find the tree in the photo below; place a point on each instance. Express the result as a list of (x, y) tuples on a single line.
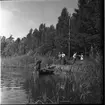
[(3, 44), (50, 35), (10, 39), (8, 48), (22, 46), (16, 44), (62, 29), (88, 19), (28, 40), (42, 33)]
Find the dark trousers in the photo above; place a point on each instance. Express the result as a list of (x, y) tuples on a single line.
[(74, 59), (63, 61)]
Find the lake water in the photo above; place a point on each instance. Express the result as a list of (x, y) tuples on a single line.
[(18, 86)]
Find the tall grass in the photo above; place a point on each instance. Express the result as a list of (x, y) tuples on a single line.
[(26, 60), (81, 86), (18, 61)]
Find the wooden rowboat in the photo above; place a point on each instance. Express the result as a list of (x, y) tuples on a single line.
[(41, 72), (44, 71)]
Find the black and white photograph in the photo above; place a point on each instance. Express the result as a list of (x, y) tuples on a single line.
[(51, 52)]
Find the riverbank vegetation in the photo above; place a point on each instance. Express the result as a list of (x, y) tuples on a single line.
[(80, 85)]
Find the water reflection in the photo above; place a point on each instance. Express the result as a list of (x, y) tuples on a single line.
[(47, 88), (12, 80), (20, 86)]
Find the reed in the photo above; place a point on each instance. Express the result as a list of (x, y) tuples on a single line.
[(18, 61), (80, 86)]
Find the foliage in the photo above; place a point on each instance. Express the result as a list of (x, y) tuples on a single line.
[(88, 20), (62, 30), (84, 33)]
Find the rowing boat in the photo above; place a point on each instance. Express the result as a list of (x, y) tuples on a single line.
[(49, 70)]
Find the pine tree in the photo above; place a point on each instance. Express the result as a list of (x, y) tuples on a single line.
[(62, 29)]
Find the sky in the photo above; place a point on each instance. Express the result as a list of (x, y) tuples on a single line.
[(19, 16)]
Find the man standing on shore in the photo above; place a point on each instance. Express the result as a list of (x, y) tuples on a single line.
[(63, 58), (59, 55), (81, 57), (74, 57)]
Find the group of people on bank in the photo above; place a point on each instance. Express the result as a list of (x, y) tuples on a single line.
[(62, 57)]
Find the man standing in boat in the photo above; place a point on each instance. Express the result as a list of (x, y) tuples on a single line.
[(38, 65), (36, 68)]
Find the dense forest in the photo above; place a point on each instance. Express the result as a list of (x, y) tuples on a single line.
[(84, 28)]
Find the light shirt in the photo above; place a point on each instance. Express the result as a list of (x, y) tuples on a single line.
[(63, 55), (59, 55), (81, 57), (74, 56)]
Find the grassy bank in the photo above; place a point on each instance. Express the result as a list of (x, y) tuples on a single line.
[(83, 85), (83, 79)]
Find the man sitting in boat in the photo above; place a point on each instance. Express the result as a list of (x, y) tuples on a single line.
[(48, 69)]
